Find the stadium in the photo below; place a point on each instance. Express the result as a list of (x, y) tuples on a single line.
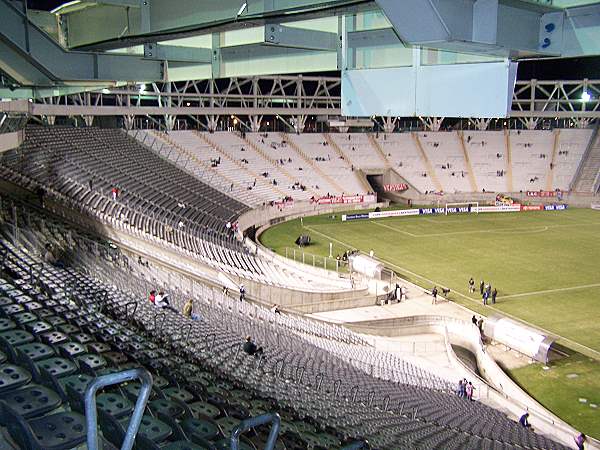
[(299, 224)]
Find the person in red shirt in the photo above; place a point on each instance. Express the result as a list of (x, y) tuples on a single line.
[(152, 296)]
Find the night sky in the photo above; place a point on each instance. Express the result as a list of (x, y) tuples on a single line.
[(554, 69)]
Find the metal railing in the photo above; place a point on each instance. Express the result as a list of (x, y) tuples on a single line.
[(91, 417)]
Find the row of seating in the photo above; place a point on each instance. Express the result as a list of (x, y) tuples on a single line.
[(157, 200), (55, 339), (313, 382)]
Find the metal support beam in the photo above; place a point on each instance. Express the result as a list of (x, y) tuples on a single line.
[(284, 36), (44, 60), (178, 53)]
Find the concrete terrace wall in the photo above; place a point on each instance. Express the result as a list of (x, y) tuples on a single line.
[(502, 389)]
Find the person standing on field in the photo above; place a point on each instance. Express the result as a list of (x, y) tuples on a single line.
[(481, 285), (494, 294), (434, 293), (471, 285)]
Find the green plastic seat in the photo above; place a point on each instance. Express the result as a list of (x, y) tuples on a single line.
[(30, 401), (55, 321), (199, 430), (78, 382), (82, 338), (114, 404), (12, 309), (167, 407), (25, 317), (91, 361), (15, 337), (152, 429), (38, 327), (227, 424), (36, 351), (98, 347), (7, 324), (71, 349), (3, 357), (115, 358), (57, 367), (184, 445), (68, 328), (203, 409), (60, 431), (13, 377), (179, 394), (54, 337), (225, 444)]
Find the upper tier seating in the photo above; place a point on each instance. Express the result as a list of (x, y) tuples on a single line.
[(166, 203), (405, 158)]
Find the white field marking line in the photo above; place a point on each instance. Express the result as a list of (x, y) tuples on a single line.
[(537, 229), (549, 291), (470, 299), (397, 230)]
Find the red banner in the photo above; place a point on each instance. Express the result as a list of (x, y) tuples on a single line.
[(532, 207), (345, 199), (395, 187), (544, 193)]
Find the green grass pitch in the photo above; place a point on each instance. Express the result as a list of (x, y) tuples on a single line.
[(545, 265)]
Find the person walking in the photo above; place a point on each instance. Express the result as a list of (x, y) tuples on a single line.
[(481, 285), (471, 285), (434, 293), (580, 441), (485, 297), (469, 390), (242, 293), (494, 294)]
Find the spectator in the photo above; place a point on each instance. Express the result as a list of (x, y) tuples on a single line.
[(469, 390), (481, 285), (115, 193), (403, 293), (459, 389), (524, 420), (162, 301), (471, 285), (152, 297), (485, 297), (434, 293), (580, 440), (187, 308), (474, 320), (251, 348), (242, 293), (275, 309), (494, 294)]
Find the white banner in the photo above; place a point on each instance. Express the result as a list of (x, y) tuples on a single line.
[(394, 213), (501, 208)]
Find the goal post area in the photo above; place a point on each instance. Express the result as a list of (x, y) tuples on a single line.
[(461, 207)]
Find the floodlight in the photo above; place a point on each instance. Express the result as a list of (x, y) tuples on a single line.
[(585, 96)]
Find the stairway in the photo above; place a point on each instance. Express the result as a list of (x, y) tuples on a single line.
[(509, 177), (274, 163), (363, 181), (377, 147), (315, 167), (222, 151), (550, 176), (472, 181), (587, 174), (428, 166)]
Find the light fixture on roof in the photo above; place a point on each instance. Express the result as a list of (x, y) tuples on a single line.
[(243, 8), (105, 91), (64, 6), (585, 96), (142, 87)]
